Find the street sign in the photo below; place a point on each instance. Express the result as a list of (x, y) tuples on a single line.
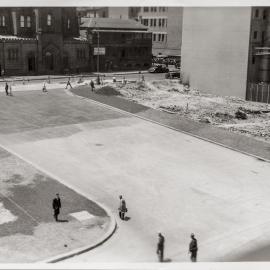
[(99, 51)]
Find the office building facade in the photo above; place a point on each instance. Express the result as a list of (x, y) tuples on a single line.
[(225, 51), (166, 25)]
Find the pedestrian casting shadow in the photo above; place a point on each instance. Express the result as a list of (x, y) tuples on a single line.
[(62, 220), (127, 218)]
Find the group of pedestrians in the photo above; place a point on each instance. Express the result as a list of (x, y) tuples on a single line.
[(193, 245)]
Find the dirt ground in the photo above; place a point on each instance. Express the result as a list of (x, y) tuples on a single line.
[(173, 97)]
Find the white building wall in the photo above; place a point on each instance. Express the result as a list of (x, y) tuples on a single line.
[(215, 46), (118, 12)]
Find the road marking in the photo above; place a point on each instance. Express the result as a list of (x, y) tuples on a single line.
[(82, 215)]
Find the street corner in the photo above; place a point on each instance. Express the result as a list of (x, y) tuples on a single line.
[(28, 229)]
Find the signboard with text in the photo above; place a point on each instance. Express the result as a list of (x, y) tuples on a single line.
[(99, 51)]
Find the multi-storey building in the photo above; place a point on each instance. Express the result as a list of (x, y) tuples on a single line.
[(118, 44), (104, 12), (226, 51), (166, 26), (41, 41), (164, 22)]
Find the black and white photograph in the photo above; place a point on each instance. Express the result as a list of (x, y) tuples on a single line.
[(135, 134)]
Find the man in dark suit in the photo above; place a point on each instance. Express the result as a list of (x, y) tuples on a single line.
[(193, 248), (6, 88), (160, 247), (56, 206)]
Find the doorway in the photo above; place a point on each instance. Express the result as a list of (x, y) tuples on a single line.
[(49, 61), (31, 63)]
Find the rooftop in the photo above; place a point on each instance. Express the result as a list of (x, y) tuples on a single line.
[(111, 23)]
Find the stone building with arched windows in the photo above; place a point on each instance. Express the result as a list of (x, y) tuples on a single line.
[(42, 40)]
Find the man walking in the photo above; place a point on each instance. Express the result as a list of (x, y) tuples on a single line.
[(122, 208), (92, 85), (56, 206), (193, 248), (6, 88), (44, 88), (68, 83), (160, 247)]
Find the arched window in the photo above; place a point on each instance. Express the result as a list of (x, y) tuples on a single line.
[(49, 19), (22, 21), (68, 23), (28, 21)]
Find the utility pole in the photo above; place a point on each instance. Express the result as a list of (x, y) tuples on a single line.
[(98, 53), (97, 31)]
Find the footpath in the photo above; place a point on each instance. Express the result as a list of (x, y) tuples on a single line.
[(28, 230), (238, 142), (36, 78)]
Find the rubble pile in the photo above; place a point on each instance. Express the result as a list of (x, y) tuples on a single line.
[(108, 91), (231, 113)]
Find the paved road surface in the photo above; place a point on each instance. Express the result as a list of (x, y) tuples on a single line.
[(172, 182)]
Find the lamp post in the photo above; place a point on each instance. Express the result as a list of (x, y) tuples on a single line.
[(98, 46), (98, 53)]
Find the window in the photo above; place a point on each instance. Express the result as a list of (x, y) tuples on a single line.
[(159, 37), (155, 9), (103, 14), (2, 21), (145, 9), (145, 22), (163, 9), (151, 22), (162, 37), (155, 22), (159, 22), (13, 54), (154, 37), (152, 9), (264, 14), (81, 54), (68, 23), (22, 21), (163, 22), (255, 33), (253, 60), (256, 13), (160, 9), (49, 19), (28, 21)]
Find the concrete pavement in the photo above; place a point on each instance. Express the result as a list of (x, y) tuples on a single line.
[(28, 231), (172, 182), (225, 138)]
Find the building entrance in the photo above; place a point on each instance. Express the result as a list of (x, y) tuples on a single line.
[(49, 61), (31, 63)]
